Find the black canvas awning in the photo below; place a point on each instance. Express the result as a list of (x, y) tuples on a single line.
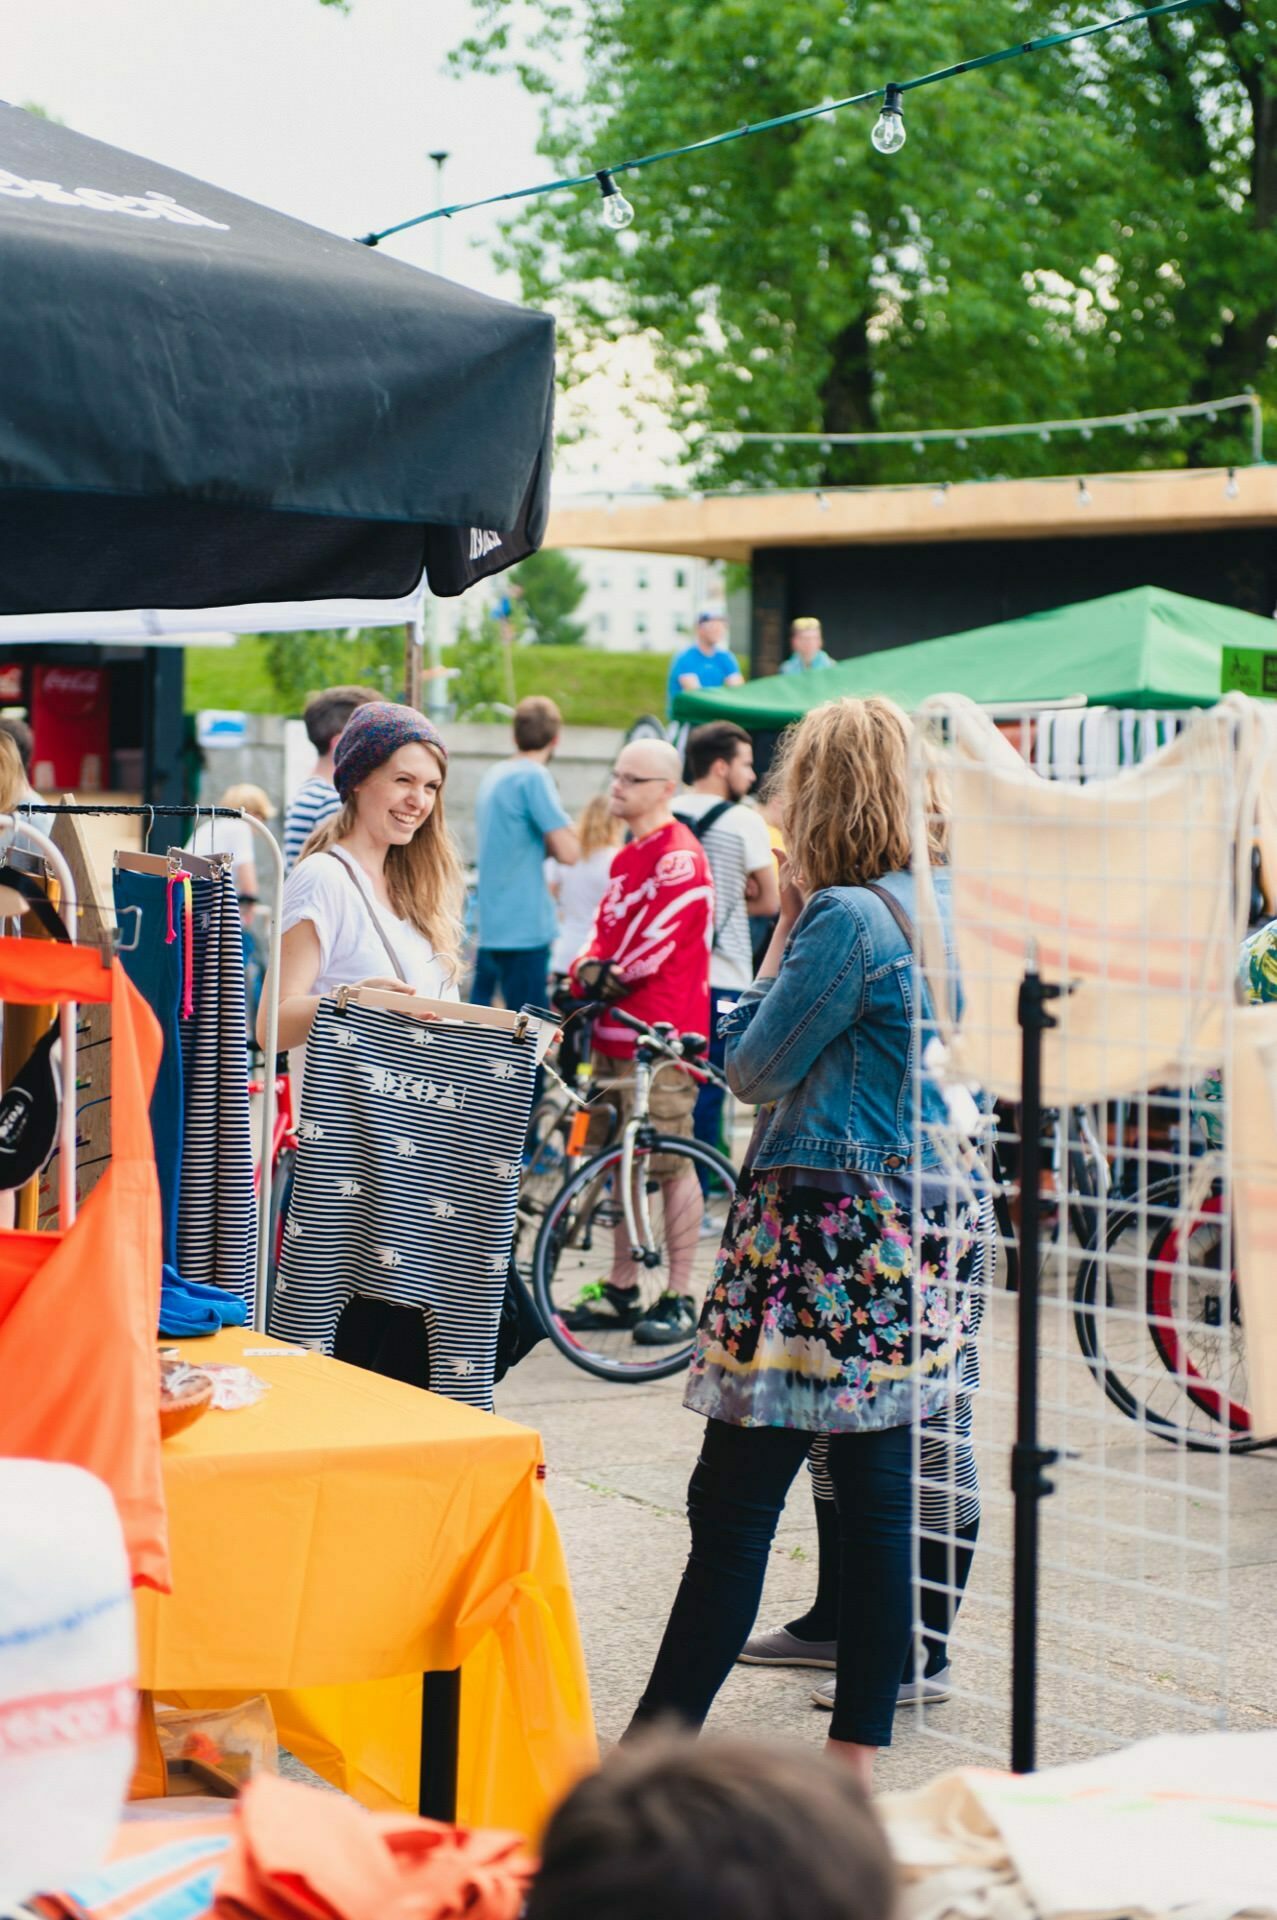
[(204, 403)]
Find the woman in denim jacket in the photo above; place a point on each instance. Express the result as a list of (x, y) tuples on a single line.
[(820, 1320)]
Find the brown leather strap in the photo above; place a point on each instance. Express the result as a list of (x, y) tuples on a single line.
[(896, 911), (373, 915)]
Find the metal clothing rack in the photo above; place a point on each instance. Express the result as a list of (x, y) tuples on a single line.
[(276, 905)]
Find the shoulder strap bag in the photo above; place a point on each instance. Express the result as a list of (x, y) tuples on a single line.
[(372, 913)]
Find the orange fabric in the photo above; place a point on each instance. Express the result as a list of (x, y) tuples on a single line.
[(301, 1854), (78, 1310)]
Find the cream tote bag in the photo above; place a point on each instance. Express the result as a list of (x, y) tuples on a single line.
[(1132, 891)]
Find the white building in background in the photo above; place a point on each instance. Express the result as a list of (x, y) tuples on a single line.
[(646, 603)]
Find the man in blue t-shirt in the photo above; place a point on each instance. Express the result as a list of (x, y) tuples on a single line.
[(519, 820), (708, 662)]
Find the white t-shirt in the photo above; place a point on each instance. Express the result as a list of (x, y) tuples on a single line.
[(349, 949), (235, 837), (736, 845), (579, 890)]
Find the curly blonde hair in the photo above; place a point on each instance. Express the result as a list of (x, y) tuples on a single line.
[(424, 879), (844, 789), (597, 826)]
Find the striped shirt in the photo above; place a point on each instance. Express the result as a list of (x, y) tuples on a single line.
[(310, 806)]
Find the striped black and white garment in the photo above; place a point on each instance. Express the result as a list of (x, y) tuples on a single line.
[(407, 1176), (949, 1482), (217, 1209), (314, 802)]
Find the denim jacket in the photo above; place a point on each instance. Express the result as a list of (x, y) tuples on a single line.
[(829, 1042)]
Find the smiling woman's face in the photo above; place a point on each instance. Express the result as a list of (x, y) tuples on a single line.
[(399, 797)]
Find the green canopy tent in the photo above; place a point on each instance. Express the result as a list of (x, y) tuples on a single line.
[(1143, 648)]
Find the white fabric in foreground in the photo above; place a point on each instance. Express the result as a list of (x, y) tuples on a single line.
[(1132, 890), (68, 1661)]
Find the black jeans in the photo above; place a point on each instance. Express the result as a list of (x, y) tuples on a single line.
[(733, 1503)]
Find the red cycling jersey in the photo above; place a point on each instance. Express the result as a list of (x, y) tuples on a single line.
[(655, 924)]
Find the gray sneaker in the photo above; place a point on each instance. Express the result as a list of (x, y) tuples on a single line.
[(930, 1690), (780, 1648)]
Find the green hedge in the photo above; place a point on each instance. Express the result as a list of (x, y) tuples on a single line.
[(592, 688)]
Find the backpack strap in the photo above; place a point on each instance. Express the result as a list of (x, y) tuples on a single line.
[(709, 818)]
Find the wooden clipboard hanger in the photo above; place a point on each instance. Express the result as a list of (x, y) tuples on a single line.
[(452, 1013)]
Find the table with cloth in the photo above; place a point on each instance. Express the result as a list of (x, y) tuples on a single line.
[(343, 1536)]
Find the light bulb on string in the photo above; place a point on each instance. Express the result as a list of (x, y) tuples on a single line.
[(822, 501), (1083, 494), (941, 493), (889, 133), (917, 446), (961, 443), (1231, 488), (618, 214)]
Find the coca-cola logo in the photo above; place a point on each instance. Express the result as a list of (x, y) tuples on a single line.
[(82, 683), (10, 683)]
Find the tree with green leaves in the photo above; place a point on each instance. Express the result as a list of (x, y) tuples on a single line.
[(300, 663), (552, 587), (1087, 230)]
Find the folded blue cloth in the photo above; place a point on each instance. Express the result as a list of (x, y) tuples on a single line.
[(190, 1311)]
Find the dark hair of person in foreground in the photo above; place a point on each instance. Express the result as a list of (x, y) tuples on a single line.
[(671, 1828)]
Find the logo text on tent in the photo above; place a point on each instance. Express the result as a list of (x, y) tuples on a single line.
[(144, 206), (481, 542)]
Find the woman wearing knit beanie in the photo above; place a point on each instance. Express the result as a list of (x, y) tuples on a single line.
[(375, 897), (375, 900)]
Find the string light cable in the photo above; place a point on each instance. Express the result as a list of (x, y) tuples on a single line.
[(917, 438), (612, 497), (888, 134)]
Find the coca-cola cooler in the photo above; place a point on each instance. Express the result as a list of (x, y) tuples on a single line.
[(71, 721)]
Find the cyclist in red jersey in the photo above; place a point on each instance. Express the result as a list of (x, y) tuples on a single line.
[(653, 927)]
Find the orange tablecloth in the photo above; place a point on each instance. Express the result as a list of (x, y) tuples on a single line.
[(348, 1533)]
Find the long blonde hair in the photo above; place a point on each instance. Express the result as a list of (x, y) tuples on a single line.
[(844, 783), (425, 879), (13, 779), (597, 826)]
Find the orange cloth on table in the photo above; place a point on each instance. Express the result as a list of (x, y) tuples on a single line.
[(301, 1854), (78, 1310), (341, 1537)]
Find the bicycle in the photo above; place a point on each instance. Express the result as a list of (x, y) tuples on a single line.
[(561, 1126), (1159, 1325), (615, 1190)]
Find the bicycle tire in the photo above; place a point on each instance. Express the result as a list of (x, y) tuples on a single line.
[(557, 1230), (1130, 1396), (1166, 1327)]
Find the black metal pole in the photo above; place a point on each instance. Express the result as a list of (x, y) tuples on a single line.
[(1028, 1481), (440, 1740)]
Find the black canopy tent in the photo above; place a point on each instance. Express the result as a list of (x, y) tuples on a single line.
[(205, 404)]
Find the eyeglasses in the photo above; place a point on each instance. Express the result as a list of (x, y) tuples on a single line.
[(635, 779)]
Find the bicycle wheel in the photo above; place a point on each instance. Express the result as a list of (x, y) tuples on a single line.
[(1194, 1315), (1087, 1177), (1115, 1328), (577, 1248)]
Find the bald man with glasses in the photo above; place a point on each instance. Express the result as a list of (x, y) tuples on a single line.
[(653, 926)]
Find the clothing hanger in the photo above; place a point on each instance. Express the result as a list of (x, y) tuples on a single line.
[(198, 866), (165, 865), (452, 1013)]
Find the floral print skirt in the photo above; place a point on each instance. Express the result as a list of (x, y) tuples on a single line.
[(810, 1320)]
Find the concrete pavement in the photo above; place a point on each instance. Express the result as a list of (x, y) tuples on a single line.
[(1159, 1567)]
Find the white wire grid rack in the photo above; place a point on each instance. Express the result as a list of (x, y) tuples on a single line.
[(1141, 1355)]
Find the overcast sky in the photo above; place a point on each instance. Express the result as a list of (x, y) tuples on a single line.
[(325, 115)]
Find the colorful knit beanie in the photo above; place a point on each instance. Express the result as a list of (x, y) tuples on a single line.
[(372, 733)]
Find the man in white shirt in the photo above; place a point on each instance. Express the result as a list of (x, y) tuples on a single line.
[(720, 763)]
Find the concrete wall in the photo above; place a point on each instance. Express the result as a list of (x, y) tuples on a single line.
[(275, 756)]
